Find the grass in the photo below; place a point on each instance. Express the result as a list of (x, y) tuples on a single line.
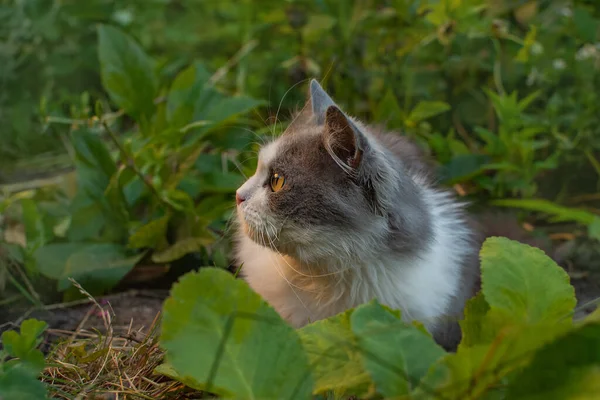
[(94, 364)]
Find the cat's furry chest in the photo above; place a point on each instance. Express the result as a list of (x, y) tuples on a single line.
[(426, 287)]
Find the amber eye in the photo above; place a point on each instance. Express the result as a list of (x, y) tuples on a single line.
[(277, 182)]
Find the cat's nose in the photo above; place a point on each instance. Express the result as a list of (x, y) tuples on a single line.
[(238, 198)]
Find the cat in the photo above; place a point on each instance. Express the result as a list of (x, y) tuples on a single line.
[(339, 212)]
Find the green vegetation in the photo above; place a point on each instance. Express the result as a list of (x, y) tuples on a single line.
[(128, 125)]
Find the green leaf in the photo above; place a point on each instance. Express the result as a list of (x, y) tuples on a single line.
[(388, 110), (36, 230), (127, 72), (333, 354), (594, 228), (23, 345), (17, 383), (221, 334), (568, 368), (585, 24), (151, 234), (474, 331), (97, 266), (464, 167), (427, 109), (525, 283), (193, 98), (548, 207), (181, 248), (218, 182), (185, 92), (396, 354)]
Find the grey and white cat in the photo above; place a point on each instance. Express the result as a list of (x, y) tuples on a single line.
[(338, 213)]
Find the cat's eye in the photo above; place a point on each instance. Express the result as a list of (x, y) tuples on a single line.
[(277, 182)]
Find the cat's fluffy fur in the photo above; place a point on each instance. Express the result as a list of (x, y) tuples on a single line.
[(357, 218)]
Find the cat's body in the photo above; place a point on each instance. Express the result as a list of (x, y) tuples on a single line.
[(356, 218)]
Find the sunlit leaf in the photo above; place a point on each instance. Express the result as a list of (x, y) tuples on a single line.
[(221, 334), (333, 354)]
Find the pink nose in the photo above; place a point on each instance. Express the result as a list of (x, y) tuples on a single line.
[(238, 199)]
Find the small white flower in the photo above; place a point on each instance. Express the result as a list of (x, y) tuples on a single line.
[(537, 49), (123, 17), (566, 12), (586, 51), (559, 64), (533, 76)]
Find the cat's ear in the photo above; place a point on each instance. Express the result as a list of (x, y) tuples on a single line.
[(343, 139), (319, 101)]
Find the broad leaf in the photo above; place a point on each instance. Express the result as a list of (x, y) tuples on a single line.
[(151, 234), (396, 354), (96, 266), (568, 368), (333, 354), (193, 98), (181, 248), (23, 345), (127, 72), (524, 283), (427, 109), (464, 167), (17, 383), (221, 334)]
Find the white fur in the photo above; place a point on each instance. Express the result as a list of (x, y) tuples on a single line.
[(422, 287)]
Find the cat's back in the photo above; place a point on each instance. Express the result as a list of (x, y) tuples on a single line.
[(407, 151)]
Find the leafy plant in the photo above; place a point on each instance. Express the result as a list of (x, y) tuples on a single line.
[(154, 188), (21, 362), (521, 319)]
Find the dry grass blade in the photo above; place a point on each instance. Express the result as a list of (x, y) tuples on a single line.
[(89, 364)]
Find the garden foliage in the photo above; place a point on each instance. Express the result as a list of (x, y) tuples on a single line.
[(519, 341)]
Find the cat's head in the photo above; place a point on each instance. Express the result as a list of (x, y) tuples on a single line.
[(326, 189)]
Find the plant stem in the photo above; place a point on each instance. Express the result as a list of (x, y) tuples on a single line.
[(130, 163)]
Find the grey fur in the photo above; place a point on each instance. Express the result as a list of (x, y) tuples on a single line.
[(352, 194)]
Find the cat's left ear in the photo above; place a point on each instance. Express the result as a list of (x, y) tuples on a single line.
[(319, 101), (343, 139)]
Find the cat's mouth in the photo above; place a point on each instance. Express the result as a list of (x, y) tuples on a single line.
[(257, 230)]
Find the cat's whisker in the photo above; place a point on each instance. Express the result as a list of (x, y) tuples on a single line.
[(281, 103)]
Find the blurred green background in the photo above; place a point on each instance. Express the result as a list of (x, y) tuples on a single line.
[(126, 126)]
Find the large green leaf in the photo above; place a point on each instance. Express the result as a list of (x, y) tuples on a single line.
[(151, 234), (96, 266), (568, 368), (396, 354), (127, 72), (221, 334), (181, 248), (333, 354), (524, 283), (193, 98), (463, 167), (94, 215), (17, 383), (427, 109)]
